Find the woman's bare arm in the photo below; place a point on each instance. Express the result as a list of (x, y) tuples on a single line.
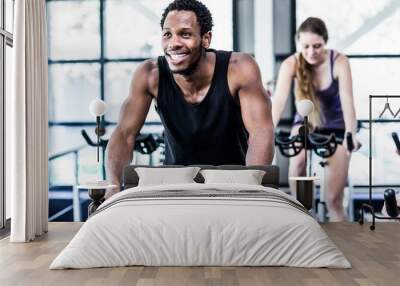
[(286, 74), (343, 73)]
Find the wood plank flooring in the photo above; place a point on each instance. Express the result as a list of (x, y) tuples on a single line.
[(374, 255)]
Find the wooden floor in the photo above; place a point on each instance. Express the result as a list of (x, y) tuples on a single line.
[(374, 255)]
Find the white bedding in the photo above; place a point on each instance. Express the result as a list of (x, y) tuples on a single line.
[(238, 228)]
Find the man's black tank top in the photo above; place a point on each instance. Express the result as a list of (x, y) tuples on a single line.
[(210, 132)]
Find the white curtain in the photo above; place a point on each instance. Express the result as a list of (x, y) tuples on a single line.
[(27, 123)]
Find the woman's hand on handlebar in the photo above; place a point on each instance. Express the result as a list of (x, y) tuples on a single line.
[(351, 146)]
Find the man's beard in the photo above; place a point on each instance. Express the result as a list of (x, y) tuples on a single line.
[(192, 67)]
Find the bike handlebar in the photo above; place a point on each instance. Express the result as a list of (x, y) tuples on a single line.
[(323, 145)]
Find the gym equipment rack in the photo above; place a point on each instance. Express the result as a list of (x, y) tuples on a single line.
[(369, 204)]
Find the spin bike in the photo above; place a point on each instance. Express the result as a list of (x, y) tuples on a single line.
[(146, 143), (323, 143)]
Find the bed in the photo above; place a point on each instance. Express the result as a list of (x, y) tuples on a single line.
[(201, 224)]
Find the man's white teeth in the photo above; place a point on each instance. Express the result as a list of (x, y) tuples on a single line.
[(177, 56)]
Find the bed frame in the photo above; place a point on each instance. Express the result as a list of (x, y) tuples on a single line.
[(271, 178)]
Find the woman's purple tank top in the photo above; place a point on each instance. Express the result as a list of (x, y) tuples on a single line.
[(331, 107)]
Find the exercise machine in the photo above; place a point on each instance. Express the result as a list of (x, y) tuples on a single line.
[(322, 142), (146, 143)]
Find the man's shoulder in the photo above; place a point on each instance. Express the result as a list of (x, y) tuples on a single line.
[(242, 64), (240, 59), (149, 70), (242, 71)]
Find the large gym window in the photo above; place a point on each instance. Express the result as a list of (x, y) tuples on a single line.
[(6, 43), (94, 48), (366, 31)]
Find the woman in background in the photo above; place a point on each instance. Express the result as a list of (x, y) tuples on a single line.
[(324, 77)]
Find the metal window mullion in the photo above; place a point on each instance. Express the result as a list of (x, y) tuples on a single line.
[(2, 125), (102, 59), (6, 33), (2, 129), (373, 56), (235, 30), (3, 15), (89, 61), (293, 17), (293, 9), (102, 62), (9, 42)]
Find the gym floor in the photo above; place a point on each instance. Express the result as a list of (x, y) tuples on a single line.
[(374, 255)]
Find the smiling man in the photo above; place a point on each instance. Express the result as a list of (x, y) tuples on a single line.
[(212, 103)]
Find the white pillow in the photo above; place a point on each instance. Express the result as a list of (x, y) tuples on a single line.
[(163, 176), (248, 177)]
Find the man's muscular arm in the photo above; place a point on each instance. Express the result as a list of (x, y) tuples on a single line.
[(255, 107), (132, 116)]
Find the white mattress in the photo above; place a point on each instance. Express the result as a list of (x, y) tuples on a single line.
[(267, 229)]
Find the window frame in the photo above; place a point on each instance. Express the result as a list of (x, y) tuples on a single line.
[(353, 56), (287, 120), (102, 60), (360, 121), (6, 39)]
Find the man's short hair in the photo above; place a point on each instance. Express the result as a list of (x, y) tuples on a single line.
[(203, 15)]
